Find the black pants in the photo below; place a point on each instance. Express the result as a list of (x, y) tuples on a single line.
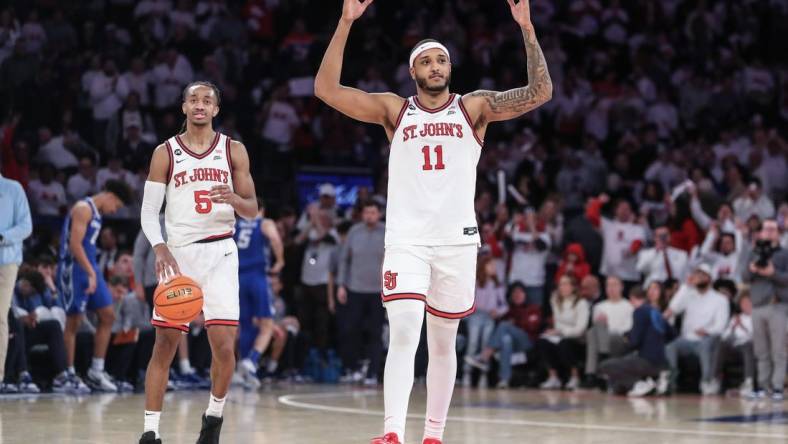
[(622, 373), (16, 357), (360, 329), (49, 333), (314, 316), (120, 359), (562, 357)]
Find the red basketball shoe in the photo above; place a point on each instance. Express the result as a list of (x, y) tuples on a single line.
[(388, 438), (431, 441)]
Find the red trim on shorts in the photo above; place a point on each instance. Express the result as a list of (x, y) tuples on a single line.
[(216, 237), (433, 110), (403, 296), (195, 155), (447, 315), (468, 119), (401, 114), (172, 161), (229, 155), (164, 324), (229, 322)]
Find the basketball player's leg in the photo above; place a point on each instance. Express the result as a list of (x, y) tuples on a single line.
[(158, 374), (73, 321), (406, 277), (450, 298), (262, 318)]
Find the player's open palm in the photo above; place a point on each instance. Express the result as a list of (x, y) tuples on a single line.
[(353, 9), (521, 11)]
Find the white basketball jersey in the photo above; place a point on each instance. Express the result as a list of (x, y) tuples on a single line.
[(432, 176), (190, 216)]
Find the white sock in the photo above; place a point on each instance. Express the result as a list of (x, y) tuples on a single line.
[(441, 373), (71, 370), (215, 406), (97, 365), (405, 320), (272, 366), (152, 422), (185, 366)]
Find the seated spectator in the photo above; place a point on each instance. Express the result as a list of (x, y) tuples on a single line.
[(38, 314), (286, 333), (83, 183), (125, 332), (722, 251), (737, 339), (706, 314), (490, 306), (635, 373), (655, 295), (611, 320), (662, 262), (561, 345), (573, 263), (530, 249), (47, 195), (515, 334)]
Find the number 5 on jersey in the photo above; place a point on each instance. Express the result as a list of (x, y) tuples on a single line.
[(439, 158), (204, 204)]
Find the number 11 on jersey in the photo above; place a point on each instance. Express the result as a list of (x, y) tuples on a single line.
[(438, 154)]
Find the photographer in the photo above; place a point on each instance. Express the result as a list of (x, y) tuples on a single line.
[(767, 274)]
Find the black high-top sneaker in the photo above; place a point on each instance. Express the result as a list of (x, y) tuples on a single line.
[(149, 438), (211, 427)]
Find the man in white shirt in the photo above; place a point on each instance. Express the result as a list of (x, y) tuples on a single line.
[(47, 196), (611, 319), (706, 313), (753, 202), (108, 90), (281, 119), (722, 251), (662, 262), (529, 255)]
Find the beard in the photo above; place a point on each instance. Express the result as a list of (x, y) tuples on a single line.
[(422, 82)]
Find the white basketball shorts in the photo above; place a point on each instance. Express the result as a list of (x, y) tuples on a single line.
[(443, 277), (214, 266)]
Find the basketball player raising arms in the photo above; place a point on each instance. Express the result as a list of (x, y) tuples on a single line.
[(205, 179), (431, 232)]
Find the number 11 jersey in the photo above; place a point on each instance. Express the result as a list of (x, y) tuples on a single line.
[(190, 216), (432, 176)]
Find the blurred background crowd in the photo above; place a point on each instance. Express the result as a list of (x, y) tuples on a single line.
[(659, 163)]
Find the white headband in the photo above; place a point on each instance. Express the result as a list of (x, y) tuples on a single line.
[(426, 46)]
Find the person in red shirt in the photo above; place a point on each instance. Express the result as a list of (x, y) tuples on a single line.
[(573, 263), (516, 333)]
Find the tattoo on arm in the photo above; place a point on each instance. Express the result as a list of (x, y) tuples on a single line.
[(508, 104)]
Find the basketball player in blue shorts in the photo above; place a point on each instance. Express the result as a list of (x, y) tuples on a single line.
[(82, 284), (253, 238)]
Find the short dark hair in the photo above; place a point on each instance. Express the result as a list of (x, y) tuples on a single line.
[(371, 203), (206, 84), (637, 293), (120, 189)]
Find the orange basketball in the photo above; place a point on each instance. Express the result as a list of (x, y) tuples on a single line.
[(178, 301)]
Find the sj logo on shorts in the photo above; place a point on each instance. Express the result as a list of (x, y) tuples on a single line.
[(390, 280)]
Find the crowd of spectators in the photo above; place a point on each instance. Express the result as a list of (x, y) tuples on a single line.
[(659, 163)]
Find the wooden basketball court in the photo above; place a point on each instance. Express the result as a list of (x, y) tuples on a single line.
[(301, 414)]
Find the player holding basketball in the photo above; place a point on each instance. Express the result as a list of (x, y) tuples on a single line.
[(82, 284), (204, 176), (431, 232), (257, 323)]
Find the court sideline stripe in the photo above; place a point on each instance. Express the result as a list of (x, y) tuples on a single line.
[(291, 400)]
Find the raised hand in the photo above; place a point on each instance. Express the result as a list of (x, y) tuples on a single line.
[(521, 11), (353, 9)]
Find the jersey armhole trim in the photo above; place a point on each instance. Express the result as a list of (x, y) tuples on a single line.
[(172, 161), (399, 117), (470, 124), (229, 155)]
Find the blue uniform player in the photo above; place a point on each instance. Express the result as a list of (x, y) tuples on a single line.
[(254, 239), (80, 282)]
